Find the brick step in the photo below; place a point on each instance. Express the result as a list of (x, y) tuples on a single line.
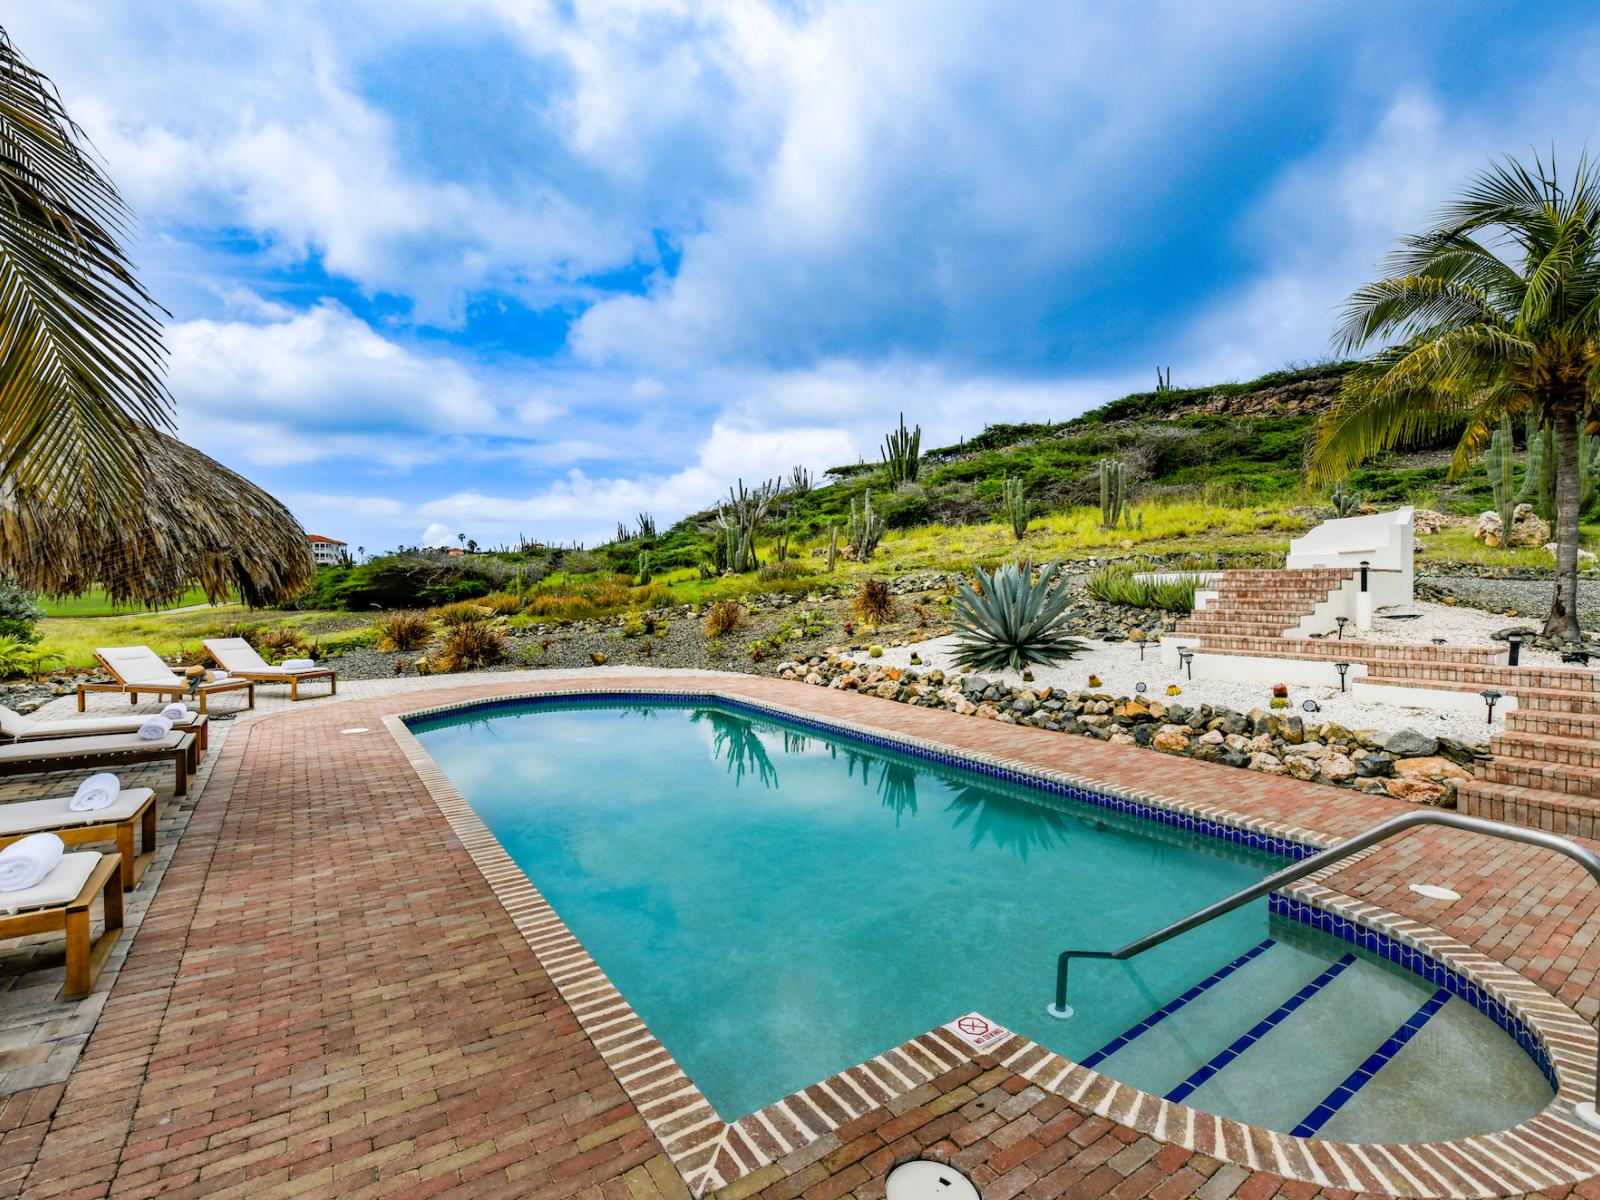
[(1226, 607), (1546, 748), (1250, 591), (1561, 778), (1481, 676), (1204, 631), (1571, 816), (1553, 724), (1538, 699), (1353, 649)]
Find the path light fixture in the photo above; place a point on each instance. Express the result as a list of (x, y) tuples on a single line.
[(1187, 657), (1438, 641), (1365, 567), (1310, 706), (1489, 698), (1343, 669), (1141, 687), (1341, 622), (1515, 657), (1141, 651)]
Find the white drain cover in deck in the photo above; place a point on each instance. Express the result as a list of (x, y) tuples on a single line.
[(924, 1180)]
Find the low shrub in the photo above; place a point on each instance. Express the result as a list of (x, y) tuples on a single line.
[(469, 646), (276, 643), (19, 658), (790, 568), (723, 618), (1119, 583), (502, 604), (873, 602), (404, 631), (20, 614), (464, 612)]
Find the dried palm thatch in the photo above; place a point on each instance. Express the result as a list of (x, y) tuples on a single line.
[(198, 524)]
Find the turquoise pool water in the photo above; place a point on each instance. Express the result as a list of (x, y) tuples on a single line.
[(778, 905)]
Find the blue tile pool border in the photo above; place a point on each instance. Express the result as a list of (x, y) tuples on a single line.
[(1313, 916)]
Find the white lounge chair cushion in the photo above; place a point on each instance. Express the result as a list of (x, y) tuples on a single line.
[(139, 664), (86, 747), (14, 725), (239, 657), (28, 816), (59, 887)]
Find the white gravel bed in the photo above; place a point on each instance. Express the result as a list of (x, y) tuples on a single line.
[(1459, 626), (1119, 668)]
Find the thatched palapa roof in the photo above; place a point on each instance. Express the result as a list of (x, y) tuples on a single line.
[(199, 524)]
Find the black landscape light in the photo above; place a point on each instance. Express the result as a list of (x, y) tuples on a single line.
[(1141, 687), (1187, 657), (1489, 698), (1310, 706), (1341, 622), (1515, 642), (1343, 669)]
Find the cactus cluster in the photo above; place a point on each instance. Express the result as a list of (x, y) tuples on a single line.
[(741, 517), (1345, 502), (866, 528), (902, 454)]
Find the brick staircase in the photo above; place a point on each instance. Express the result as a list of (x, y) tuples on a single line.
[(1544, 769)]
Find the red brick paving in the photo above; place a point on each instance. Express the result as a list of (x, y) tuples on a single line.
[(327, 999)]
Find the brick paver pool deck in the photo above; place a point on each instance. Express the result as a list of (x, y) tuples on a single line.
[(325, 997)]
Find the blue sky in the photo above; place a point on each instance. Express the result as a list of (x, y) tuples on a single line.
[(502, 267)]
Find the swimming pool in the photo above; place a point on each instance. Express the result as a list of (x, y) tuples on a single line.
[(779, 903)]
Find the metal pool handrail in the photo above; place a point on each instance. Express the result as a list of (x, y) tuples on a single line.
[(1321, 861)]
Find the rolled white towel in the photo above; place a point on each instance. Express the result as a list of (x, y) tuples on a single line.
[(155, 728), (96, 792), (217, 676), (26, 862), (298, 664), (175, 713)]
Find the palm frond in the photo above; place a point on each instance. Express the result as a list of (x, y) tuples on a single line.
[(1411, 306), (81, 359)]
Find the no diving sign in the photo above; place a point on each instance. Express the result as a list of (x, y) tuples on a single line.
[(977, 1031)]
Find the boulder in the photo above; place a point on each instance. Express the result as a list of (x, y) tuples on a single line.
[(1584, 556), (1418, 791), (1528, 528), (1170, 741), (1337, 768), (1267, 764), (1432, 767), (1301, 767), (1410, 743)]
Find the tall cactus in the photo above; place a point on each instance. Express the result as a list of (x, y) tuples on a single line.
[(1499, 461), (866, 527), (1113, 491), (833, 547), (1016, 507)]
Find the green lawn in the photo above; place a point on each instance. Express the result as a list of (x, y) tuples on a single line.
[(98, 604), (74, 638)]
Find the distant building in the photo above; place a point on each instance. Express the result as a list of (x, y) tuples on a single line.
[(327, 552)]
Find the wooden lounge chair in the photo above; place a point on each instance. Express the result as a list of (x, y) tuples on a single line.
[(102, 753), (134, 808), (239, 659), (18, 728), (61, 902), (139, 671)]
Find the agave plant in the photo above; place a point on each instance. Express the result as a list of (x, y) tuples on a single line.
[(1012, 621)]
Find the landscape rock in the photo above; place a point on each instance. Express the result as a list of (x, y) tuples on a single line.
[(1410, 743)]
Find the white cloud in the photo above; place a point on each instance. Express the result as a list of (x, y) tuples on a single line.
[(438, 534)]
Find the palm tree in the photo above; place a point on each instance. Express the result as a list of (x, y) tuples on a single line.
[(81, 360), (1494, 311)]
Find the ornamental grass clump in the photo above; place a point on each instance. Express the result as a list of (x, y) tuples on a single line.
[(873, 602), (1120, 583), (1010, 621), (463, 612), (404, 631), (469, 646)]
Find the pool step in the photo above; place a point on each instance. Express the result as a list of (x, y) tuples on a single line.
[(1293, 1041)]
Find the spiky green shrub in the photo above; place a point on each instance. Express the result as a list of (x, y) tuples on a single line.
[(1119, 583), (902, 453), (1010, 620), (1017, 509), (866, 529)]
